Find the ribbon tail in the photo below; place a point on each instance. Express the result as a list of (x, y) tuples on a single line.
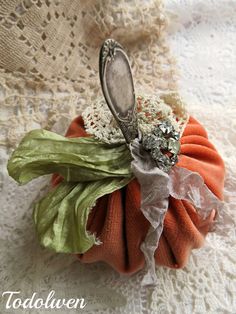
[(156, 187), (154, 204), (187, 185)]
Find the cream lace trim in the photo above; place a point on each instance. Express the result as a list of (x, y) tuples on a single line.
[(100, 122)]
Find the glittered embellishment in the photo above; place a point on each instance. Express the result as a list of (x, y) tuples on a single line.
[(163, 144)]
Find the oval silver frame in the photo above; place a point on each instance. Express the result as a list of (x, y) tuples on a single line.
[(125, 117)]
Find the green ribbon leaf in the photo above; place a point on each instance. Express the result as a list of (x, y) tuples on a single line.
[(90, 170), (75, 159), (61, 216)]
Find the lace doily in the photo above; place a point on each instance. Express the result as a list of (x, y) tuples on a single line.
[(197, 30), (49, 57), (99, 121)]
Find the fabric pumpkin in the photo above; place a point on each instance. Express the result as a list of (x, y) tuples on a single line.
[(120, 225)]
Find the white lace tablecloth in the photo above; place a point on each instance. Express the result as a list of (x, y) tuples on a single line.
[(202, 36)]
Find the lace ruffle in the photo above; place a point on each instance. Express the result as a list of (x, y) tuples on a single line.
[(99, 121)]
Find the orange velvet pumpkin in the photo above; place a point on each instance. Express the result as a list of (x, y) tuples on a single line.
[(120, 225)]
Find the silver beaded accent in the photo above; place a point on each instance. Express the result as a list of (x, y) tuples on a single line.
[(163, 144)]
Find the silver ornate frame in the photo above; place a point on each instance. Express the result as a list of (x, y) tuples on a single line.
[(127, 123)]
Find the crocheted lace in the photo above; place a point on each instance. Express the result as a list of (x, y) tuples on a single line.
[(49, 57), (99, 121)]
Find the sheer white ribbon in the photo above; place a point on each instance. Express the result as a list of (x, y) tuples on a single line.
[(156, 187)]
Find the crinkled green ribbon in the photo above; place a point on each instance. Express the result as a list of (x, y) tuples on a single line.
[(90, 170)]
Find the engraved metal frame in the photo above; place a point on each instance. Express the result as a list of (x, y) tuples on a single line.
[(127, 122)]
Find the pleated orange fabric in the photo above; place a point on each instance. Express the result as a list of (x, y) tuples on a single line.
[(120, 225)]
